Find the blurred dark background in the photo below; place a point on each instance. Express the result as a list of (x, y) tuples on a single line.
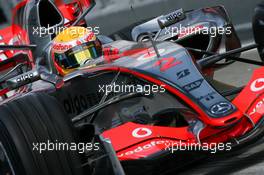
[(112, 15)]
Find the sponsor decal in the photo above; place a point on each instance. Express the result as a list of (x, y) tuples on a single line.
[(75, 104), (207, 97), (182, 74), (178, 15), (141, 132), (171, 18), (167, 63), (25, 77), (257, 85), (194, 85), (174, 146), (145, 147), (221, 108), (259, 107), (62, 47)]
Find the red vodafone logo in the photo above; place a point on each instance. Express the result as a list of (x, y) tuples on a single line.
[(257, 85), (141, 132)]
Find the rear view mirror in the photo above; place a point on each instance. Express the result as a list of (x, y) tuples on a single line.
[(258, 28), (171, 18), (49, 15)]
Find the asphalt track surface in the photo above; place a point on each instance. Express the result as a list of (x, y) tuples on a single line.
[(238, 74)]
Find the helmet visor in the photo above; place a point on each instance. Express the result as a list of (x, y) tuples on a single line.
[(78, 55)]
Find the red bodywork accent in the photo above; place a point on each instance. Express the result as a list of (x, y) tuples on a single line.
[(3, 92), (158, 134), (7, 35), (132, 148), (250, 102), (14, 35), (162, 138), (167, 63), (71, 11)]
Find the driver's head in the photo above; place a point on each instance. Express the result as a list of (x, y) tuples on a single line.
[(73, 47)]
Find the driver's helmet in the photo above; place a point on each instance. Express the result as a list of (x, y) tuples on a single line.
[(74, 47)]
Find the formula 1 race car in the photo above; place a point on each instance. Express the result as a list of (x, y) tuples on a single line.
[(144, 107)]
